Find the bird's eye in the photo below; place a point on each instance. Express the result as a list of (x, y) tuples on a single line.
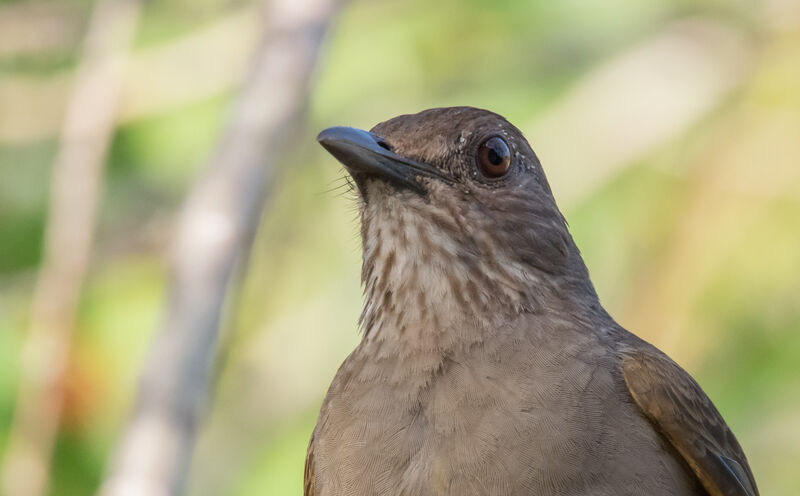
[(494, 158)]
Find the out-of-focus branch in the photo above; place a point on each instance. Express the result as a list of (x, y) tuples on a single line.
[(201, 64), (36, 27), (76, 179), (214, 230), (636, 101), (724, 201)]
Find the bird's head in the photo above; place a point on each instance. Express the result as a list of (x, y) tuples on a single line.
[(455, 207)]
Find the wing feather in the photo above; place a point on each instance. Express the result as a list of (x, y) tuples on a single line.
[(308, 473), (679, 409)]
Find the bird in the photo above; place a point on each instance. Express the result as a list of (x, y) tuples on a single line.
[(487, 364)]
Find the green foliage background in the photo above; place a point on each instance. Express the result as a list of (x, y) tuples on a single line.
[(703, 231)]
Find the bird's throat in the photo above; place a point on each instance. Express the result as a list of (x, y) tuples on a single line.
[(422, 281)]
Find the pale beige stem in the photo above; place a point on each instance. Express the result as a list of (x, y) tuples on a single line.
[(214, 231), (75, 188)]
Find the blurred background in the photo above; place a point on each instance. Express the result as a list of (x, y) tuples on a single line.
[(669, 130)]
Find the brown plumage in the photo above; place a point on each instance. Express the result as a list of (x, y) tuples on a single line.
[(487, 364)]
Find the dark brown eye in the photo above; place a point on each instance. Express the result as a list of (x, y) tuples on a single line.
[(494, 158)]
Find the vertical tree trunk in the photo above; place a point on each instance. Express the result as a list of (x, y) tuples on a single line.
[(75, 190), (214, 230)]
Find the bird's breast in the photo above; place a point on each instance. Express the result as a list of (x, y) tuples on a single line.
[(516, 415)]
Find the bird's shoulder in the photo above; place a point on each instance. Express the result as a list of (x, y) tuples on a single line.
[(684, 415)]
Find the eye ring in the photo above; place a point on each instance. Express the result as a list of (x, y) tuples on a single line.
[(494, 157)]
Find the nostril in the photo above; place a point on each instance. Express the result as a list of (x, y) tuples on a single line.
[(383, 144)]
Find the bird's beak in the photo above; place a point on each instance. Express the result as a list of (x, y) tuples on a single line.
[(364, 155)]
